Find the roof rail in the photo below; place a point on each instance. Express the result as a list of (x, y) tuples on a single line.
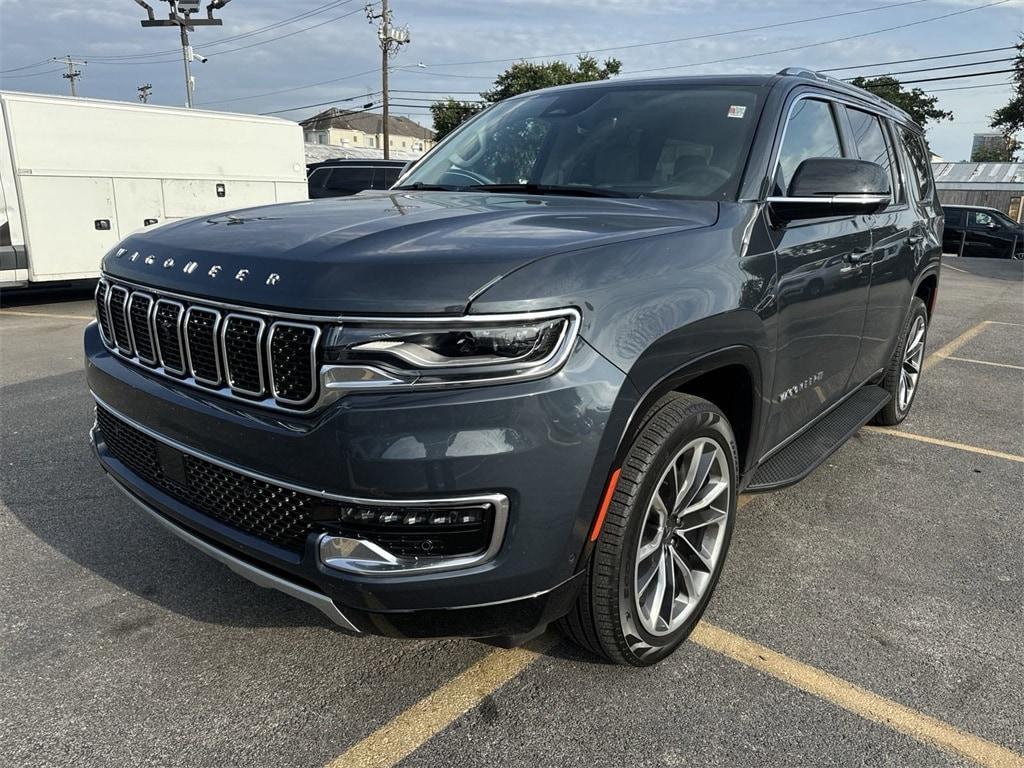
[(822, 77)]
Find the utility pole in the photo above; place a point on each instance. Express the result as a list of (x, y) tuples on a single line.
[(145, 91), (72, 74), (181, 17), (391, 39)]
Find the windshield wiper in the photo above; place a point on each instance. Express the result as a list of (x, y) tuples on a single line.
[(419, 185), (549, 189)]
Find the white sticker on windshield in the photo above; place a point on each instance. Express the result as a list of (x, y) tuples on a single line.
[(735, 111)]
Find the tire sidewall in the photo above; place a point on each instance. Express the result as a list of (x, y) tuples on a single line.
[(917, 309), (642, 647)]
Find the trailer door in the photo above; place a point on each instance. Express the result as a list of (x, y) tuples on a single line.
[(71, 223)]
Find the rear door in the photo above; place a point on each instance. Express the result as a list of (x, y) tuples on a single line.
[(822, 292)]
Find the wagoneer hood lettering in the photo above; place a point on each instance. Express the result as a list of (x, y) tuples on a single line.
[(412, 252)]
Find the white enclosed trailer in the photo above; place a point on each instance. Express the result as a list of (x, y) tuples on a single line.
[(78, 175)]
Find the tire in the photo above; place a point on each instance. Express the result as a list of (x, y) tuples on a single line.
[(905, 367), (607, 619)]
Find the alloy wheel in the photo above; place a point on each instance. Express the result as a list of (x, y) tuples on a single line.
[(910, 371), (681, 536)]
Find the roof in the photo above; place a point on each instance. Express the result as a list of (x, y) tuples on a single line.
[(367, 122), (979, 175), (317, 153)]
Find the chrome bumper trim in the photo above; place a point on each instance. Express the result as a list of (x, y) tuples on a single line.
[(247, 571)]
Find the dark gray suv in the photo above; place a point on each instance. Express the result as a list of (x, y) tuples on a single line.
[(528, 384)]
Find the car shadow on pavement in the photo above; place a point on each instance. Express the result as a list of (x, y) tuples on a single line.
[(53, 485)]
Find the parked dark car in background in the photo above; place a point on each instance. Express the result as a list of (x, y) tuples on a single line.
[(341, 178), (982, 233), (529, 383)]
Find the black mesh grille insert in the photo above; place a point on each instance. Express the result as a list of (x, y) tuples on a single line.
[(201, 333), (138, 312), (291, 361), (101, 310), (118, 319), (278, 515), (167, 319), (242, 338)]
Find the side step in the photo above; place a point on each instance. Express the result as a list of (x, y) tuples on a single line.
[(802, 456)]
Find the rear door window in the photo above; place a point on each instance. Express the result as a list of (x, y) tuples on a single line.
[(980, 220), (810, 132), (954, 217), (350, 180), (920, 166)]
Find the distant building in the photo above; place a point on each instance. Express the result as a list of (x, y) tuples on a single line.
[(993, 185), (988, 141), (339, 128)]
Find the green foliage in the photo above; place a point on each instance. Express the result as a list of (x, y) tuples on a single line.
[(992, 155), (919, 105), (450, 114), (521, 77), (1010, 119)]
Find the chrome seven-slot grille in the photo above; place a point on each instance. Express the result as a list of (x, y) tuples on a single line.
[(252, 357)]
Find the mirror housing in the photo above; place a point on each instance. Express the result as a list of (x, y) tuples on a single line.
[(833, 186)]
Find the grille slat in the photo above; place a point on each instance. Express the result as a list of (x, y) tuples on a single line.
[(242, 339), (102, 316), (263, 360), (293, 362), (140, 305), (201, 344), (117, 305), (167, 322)]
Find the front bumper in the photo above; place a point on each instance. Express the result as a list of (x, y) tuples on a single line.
[(546, 445)]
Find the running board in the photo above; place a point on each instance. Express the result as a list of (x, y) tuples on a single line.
[(799, 458)]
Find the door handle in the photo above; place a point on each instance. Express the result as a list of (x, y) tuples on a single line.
[(915, 239), (857, 257)]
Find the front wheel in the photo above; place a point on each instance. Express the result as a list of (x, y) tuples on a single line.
[(903, 375), (664, 538)]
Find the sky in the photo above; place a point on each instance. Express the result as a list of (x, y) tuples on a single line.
[(457, 48)]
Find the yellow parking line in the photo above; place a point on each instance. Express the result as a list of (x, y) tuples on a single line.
[(945, 443), (855, 699), (44, 314), (985, 362), (954, 345), (410, 730), (1001, 322)]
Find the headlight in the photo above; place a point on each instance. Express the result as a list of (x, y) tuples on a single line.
[(367, 353)]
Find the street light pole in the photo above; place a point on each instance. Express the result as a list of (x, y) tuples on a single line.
[(186, 57)]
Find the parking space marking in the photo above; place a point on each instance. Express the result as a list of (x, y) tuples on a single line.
[(410, 730), (956, 269), (855, 699), (948, 349), (44, 314), (945, 443), (985, 362)]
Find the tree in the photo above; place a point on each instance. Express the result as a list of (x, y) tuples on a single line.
[(992, 155), (521, 77), (919, 105), (450, 114), (1010, 119)]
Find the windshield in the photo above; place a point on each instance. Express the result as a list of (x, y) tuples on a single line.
[(637, 141)]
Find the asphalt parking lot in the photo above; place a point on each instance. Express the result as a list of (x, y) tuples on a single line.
[(872, 615)]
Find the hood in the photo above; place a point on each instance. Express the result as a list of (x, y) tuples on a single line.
[(397, 253)]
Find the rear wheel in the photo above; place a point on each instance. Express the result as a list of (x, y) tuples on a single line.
[(904, 372), (665, 536)]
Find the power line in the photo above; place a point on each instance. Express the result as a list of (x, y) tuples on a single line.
[(34, 74), (26, 66), (320, 104), (948, 77), (920, 58), (704, 36), (933, 69), (971, 87), (824, 42)]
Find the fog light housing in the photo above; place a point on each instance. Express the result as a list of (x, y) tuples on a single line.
[(400, 539)]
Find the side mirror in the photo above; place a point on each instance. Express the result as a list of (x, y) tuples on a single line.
[(827, 186)]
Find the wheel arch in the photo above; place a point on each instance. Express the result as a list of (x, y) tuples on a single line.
[(927, 288)]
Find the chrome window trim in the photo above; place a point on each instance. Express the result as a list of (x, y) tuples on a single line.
[(260, 357), (314, 371), (183, 371), (149, 324), (216, 352), (130, 351), (499, 502)]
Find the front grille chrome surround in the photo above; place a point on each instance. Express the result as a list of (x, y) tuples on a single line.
[(225, 351)]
